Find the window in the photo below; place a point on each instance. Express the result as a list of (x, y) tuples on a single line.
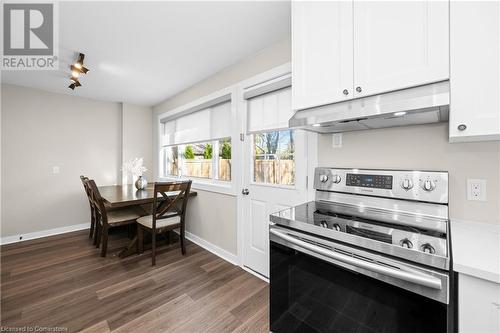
[(171, 160), (224, 172), (198, 144), (273, 146), (273, 157), (199, 160)]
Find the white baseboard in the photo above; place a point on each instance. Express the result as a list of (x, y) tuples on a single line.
[(254, 273), (43, 233), (226, 255)]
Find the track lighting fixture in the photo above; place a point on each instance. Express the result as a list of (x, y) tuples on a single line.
[(76, 69)]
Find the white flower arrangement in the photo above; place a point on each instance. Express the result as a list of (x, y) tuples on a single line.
[(134, 166)]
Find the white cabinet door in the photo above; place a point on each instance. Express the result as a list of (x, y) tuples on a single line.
[(399, 44), (321, 52), (478, 305), (475, 70)]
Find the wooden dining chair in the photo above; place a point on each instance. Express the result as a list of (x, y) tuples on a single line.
[(106, 220), (169, 213), (92, 213)]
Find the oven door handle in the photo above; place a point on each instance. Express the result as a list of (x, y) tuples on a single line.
[(413, 277)]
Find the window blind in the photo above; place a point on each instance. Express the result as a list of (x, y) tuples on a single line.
[(204, 125), (270, 111)]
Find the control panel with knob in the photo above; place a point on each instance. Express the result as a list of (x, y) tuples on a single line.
[(407, 184), (425, 186), (336, 179), (428, 185), (406, 243), (427, 248)]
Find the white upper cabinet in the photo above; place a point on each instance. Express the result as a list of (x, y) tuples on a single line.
[(322, 47), (399, 45), (475, 71), (366, 48)]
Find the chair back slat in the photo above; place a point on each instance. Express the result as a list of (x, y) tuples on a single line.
[(164, 205), (97, 201), (85, 186)]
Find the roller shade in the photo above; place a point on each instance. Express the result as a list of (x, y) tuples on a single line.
[(270, 111), (204, 125)]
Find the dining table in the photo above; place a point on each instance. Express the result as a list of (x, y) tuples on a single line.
[(120, 196)]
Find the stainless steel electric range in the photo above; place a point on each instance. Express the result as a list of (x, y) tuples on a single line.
[(370, 254)]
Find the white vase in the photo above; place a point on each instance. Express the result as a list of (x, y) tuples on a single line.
[(141, 183)]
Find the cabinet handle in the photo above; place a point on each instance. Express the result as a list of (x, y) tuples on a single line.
[(462, 127), (358, 89), (346, 92)]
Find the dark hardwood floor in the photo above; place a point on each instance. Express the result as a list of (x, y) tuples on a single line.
[(61, 281)]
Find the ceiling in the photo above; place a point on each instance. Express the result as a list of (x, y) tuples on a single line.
[(145, 52)]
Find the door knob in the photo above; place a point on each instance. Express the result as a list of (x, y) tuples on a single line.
[(245, 191)]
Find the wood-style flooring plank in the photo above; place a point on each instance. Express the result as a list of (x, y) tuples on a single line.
[(61, 281)]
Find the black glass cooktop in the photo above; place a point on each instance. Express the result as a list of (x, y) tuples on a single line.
[(341, 218)]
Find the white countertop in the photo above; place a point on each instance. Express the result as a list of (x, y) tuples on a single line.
[(476, 249)]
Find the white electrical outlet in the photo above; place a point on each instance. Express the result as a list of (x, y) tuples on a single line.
[(476, 189), (55, 170), (337, 140)]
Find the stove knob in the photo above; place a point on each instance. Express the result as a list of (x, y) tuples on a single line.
[(324, 224), (407, 184), (406, 243), (427, 248), (337, 227), (429, 185), (336, 179), (323, 178)]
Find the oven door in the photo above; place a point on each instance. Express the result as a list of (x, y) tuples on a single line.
[(318, 285)]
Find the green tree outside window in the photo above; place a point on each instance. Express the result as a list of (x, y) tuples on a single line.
[(226, 150), (207, 154), (189, 153)]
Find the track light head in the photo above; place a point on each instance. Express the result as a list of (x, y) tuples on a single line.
[(81, 56), (75, 81), (76, 69)]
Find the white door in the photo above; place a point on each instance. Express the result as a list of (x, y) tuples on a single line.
[(275, 172), (322, 52), (399, 44)]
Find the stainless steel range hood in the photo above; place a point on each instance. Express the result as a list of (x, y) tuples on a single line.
[(413, 106)]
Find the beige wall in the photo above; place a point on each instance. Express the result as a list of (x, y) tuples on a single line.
[(41, 130), (137, 137), (213, 216), (425, 147)]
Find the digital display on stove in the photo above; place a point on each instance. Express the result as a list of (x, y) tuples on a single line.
[(371, 181)]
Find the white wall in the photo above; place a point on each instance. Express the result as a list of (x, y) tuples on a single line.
[(137, 137), (41, 130), (425, 147), (213, 216)]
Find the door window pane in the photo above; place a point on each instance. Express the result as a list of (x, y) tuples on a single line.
[(274, 161), (224, 159)]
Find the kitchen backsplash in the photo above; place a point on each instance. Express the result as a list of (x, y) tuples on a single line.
[(425, 147)]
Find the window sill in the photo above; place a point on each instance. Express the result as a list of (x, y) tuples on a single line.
[(207, 185)]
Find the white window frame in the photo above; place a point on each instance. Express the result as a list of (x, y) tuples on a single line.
[(212, 185)]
